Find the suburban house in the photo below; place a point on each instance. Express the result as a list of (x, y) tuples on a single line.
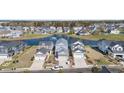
[(15, 34), (116, 50), (46, 44), (45, 48), (41, 54), (62, 52), (77, 29), (115, 31), (61, 47), (4, 33), (52, 29), (26, 29), (11, 34), (66, 29), (103, 45), (78, 52), (78, 49), (77, 44), (59, 29), (8, 49)]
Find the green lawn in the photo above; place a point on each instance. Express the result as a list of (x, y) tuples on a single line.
[(103, 62), (119, 37), (26, 36)]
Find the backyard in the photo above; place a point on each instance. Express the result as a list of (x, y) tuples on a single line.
[(21, 60), (95, 57)]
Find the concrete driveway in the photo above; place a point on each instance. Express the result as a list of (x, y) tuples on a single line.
[(2, 61), (80, 63), (63, 61), (37, 65)]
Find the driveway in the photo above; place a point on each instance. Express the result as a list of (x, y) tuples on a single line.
[(80, 63), (2, 61), (63, 61), (37, 65)]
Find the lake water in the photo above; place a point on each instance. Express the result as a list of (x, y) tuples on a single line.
[(54, 38)]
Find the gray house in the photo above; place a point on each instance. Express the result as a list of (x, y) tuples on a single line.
[(8, 49), (61, 47), (116, 50), (62, 52), (103, 45), (46, 44)]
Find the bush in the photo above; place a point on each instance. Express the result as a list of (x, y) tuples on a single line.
[(95, 70)]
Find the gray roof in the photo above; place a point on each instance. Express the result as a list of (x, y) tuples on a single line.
[(8, 44), (47, 43), (62, 41), (43, 50), (116, 43), (76, 49)]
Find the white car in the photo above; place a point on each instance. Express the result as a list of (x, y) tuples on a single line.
[(57, 68)]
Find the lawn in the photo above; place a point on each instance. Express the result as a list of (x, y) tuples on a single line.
[(95, 57), (119, 37), (103, 62), (26, 36), (24, 59)]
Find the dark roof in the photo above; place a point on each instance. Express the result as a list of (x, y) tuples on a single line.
[(115, 43), (78, 49), (11, 44), (43, 50)]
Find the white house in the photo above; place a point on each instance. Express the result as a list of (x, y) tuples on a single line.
[(59, 29), (15, 34), (66, 29), (45, 47), (116, 50), (4, 33), (115, 31), (52, 29), (41, 54), (77, 44), (78, 52), (25, 29), (78, 49), (77, 29)]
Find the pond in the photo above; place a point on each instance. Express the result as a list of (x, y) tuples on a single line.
[(54, 38)]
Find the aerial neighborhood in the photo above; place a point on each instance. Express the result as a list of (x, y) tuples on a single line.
[(62, 46)]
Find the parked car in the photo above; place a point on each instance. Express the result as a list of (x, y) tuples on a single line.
[(57, 68)]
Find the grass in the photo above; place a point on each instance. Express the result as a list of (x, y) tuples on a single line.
[(24, 59), (103, 62), (26, 36), (119, 37)]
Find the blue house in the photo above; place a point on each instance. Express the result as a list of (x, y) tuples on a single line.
[(8, 49)]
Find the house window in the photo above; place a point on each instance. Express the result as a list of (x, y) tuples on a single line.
[(120, 49)]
